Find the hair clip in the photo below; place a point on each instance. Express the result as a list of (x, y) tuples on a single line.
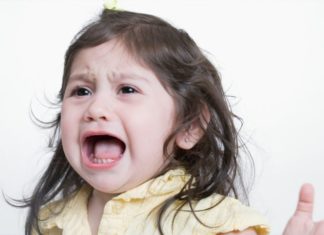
[(110, 4)]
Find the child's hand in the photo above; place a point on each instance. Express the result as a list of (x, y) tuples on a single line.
[(301, 223)]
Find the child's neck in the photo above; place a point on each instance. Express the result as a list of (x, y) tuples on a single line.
[(96, 204)]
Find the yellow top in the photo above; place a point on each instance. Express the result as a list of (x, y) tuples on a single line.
[(134, 212)]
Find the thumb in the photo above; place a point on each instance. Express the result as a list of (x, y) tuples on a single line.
[(305, 202)]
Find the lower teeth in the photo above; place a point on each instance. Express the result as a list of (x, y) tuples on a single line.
[(100, 160)]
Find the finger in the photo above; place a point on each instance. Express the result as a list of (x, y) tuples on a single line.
[(306, 201)]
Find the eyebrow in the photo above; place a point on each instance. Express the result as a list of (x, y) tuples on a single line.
[(80, 76), (88, 77), (132, 76)]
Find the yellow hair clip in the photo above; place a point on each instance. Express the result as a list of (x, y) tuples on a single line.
[(110, 4)]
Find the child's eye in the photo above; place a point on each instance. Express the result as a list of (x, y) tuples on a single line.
[(81, 91), (127, 90)]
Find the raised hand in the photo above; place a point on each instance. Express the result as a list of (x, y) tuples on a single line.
[(301, 223)]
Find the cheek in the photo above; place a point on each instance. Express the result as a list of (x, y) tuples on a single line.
[(156, 122), (68, 128), (64, 135), (69, 139), (69, 117), (64, 125), (152, 129)]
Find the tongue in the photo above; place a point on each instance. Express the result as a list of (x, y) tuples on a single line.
[(108, 148)]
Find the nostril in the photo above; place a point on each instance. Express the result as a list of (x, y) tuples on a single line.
[(96, 115), (99, 109), (88, 118)]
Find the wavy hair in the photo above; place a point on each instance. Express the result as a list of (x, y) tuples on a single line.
[(195, 85)]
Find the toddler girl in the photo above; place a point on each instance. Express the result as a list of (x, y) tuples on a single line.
[(145, 142)]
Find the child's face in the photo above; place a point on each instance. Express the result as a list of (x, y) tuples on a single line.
[(109, 94)]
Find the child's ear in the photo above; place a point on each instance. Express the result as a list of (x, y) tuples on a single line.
[(188, 138)]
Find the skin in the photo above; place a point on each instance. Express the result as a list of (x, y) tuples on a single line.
[(111, 93), (106, 105), (301, 223)]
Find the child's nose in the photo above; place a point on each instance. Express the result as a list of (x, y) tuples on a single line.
[(100, 108)]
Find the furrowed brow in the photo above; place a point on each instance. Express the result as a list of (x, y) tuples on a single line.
[(80, 77), (134, 76)]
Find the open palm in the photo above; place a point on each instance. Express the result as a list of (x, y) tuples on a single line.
[(301, 223)]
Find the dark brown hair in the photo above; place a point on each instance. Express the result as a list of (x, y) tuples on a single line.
[(196, 87)]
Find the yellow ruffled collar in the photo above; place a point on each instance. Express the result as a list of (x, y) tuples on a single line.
[(169, 183)]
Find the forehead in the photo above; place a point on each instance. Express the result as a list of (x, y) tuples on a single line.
[(106, 52), (111, 56), (113, 61)]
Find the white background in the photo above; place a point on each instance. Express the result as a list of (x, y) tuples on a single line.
[(270, 55)]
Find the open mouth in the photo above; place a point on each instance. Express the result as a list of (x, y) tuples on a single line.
[(103, 149)]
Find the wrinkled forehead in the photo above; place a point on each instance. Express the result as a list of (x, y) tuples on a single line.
[(100, 53), (151, 46), (110, 59)]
